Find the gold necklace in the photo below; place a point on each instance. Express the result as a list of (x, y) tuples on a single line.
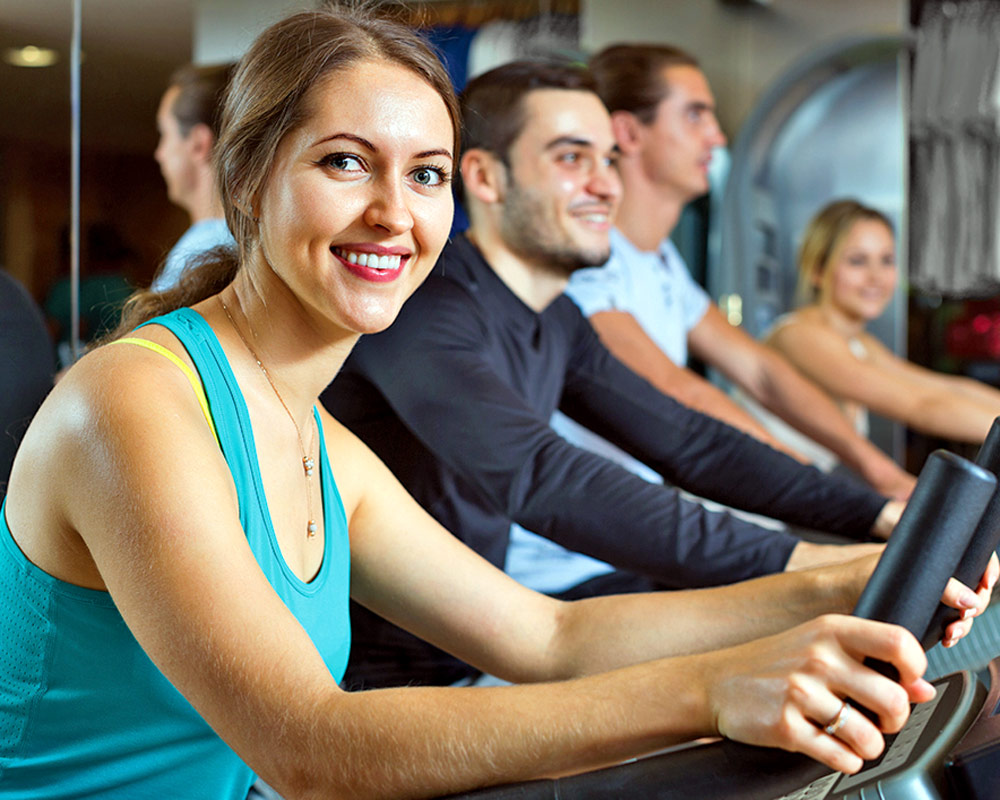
[(307, 462)]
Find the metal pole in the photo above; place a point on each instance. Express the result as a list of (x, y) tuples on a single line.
[(74, 223)]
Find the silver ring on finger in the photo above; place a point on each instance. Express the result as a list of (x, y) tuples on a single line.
[(838, 722)]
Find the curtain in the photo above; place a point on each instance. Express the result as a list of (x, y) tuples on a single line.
[(954, 144)]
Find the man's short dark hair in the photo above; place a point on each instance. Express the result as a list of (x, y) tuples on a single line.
[(202, 94), (629, 76), (492, 104)]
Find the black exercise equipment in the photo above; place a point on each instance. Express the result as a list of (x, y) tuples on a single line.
[(950, 746)]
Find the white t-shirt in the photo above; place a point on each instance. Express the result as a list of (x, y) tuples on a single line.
[(201, 236), (655, 288)]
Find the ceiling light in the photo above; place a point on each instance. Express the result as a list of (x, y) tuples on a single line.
[(30, 56)]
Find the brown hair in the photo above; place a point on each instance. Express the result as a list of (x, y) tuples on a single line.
[(202, 93), (268, 96), (492, 104), (823, 235), (629, 76)]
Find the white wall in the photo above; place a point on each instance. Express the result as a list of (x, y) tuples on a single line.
[(223, 29), (741, 47)]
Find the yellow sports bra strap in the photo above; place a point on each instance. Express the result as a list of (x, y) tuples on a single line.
[(195, 380)]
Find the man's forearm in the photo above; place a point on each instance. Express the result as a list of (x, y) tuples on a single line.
[(628, 342), (697, 393), (814, 413)]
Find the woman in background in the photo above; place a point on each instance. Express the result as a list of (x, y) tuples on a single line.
[(848, 273)]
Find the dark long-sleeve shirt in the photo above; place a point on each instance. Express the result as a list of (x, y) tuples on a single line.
[(456, 396)]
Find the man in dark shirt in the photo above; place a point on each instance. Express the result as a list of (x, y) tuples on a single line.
[(456, 395)]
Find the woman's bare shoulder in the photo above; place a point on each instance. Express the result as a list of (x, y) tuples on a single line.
[(120, 375), (122, 420), (791, 326)]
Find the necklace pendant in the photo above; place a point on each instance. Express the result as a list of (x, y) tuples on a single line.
[(311, 529), (308, 465)]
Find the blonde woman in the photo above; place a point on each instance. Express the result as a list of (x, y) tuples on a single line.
[(848, 272)]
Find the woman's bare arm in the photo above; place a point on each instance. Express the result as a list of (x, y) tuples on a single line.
[(974, 390), (826, 358)]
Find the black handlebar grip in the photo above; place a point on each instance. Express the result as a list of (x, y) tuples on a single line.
[(988, 456), (931, 536), (984, 541)]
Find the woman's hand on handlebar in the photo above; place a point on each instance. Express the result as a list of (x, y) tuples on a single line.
[(789, 690), (970, 603)]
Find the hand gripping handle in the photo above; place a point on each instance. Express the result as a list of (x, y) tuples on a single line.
[(931, 536), (984, 541)]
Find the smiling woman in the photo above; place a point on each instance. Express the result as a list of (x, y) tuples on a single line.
[(353, 167), (336, 152), (184, 526)]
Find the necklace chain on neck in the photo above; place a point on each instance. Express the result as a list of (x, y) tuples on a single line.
[(308, 464)]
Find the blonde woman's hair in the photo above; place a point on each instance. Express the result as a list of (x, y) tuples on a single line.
[(823, 236)]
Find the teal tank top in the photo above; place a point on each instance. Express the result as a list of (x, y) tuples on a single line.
[(84, 713)]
